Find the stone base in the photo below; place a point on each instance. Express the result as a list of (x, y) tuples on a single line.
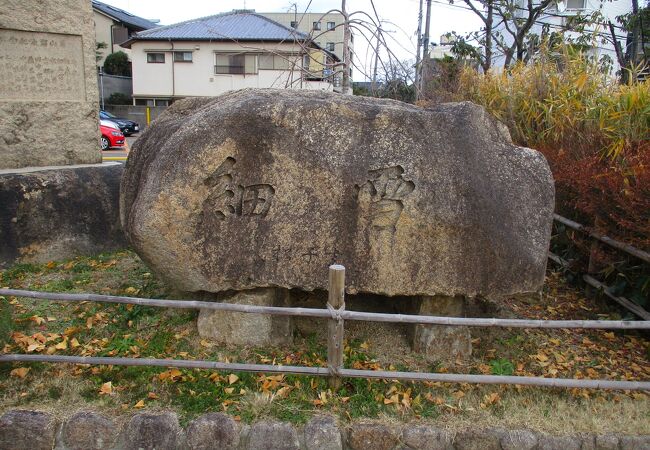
[(245, 328), (59, 213), (438, 342)]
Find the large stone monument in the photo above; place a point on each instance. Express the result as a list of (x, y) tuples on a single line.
[(56, 198), (48, 84), (263, 189)]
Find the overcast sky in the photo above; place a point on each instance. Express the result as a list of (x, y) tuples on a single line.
[(402, 13)]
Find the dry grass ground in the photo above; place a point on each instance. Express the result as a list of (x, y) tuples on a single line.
[(112, 330)]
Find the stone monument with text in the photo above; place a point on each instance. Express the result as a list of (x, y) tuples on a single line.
[(48, 84), (263, 189)]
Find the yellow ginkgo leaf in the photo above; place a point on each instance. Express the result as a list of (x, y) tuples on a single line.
[(106, 389), (21, 372)]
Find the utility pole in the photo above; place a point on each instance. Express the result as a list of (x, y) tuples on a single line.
[(373, 86), (418, 58), (425, 45), (346, 88)]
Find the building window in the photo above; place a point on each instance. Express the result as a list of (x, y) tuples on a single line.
[(316, 26), (235, 63), (331, 26), (144, 102), (270, 61), (294, 24), (330, 46), (575, 4), (183, 56), (306, 59), (158, 58)]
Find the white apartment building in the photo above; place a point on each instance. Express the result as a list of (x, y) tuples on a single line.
[(558, 16), (325, 29)]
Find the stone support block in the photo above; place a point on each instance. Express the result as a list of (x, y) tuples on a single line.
[(246, 328), (440, 342)]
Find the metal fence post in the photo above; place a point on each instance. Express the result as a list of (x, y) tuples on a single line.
[(335, 304)]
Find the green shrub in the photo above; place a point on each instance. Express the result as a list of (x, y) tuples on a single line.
[(117, 64)]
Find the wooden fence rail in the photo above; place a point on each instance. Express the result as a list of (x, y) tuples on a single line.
[(336, 314), (327, 313), (626, 248), (588, 277)]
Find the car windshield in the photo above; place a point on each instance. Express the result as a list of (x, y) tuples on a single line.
[(109, 115)]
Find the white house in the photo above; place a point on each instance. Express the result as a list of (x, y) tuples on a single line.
[(212, 55), (557, 17)]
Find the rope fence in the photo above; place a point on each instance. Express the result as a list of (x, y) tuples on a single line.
[(336, 315)]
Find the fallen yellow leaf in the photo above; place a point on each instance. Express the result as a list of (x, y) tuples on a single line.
[(140, 404), (106, 389), (152, 395), (62, 345), (21, 372), (232, 378)]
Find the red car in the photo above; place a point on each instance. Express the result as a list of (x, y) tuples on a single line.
[(111, 135)]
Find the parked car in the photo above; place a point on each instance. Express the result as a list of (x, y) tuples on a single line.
[(111, 135), (127, 126)]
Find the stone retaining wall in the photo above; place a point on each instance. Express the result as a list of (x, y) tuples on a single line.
[(87, 430)]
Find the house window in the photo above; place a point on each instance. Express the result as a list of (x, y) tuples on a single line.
[(331, 25), (144, 102), (120, 34), (330, 46), (235, 63), (270, 61), (316, 26), (158, 58), (305, 61), (183, 56), (575, 4), (294, 24)]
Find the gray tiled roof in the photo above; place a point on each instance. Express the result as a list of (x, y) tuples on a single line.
[(123, 16), (240, 25)]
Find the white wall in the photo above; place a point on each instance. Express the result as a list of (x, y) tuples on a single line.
[(197, 78), (609, 9)]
